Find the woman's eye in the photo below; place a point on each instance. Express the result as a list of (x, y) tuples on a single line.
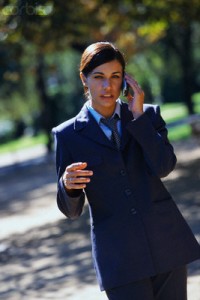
[(98, 77)]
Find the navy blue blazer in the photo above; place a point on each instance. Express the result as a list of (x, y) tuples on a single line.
[(137, 230)]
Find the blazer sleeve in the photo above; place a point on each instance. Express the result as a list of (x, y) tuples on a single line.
[(151, 133), (71, 207)]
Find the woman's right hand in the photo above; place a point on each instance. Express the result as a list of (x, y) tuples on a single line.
[(76, 177), (135, 103)]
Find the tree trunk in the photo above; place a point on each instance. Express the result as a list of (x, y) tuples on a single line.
[(46, 113), (187, 67)]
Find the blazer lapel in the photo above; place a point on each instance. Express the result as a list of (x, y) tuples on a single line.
[(126, 117), (87, 126)]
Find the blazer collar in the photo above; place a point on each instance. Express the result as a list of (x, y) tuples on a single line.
[(87, 125)]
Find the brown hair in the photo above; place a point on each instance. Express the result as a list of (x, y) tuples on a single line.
[(99, 53)]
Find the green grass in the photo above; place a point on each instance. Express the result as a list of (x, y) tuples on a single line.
[(179, 133), (21, 143), (173, 111), (177, 111)]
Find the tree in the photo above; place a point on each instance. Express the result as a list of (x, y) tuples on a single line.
[(134, 25)]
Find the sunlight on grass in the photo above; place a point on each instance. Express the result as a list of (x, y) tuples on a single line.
[(173, 111), (176, 111), (179, 133), (196, 100), (21, 143)]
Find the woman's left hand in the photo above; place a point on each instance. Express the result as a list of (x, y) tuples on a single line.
[(136, 101)]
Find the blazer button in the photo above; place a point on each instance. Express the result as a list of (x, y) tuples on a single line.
[(133, 211), (123, 172), (128, 192)]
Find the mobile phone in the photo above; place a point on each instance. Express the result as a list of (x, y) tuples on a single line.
[(125, 88)]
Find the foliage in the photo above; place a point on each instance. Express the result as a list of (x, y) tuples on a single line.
[(58, 24), (159, 37)]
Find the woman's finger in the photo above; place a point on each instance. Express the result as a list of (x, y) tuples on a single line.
[(76, 166)]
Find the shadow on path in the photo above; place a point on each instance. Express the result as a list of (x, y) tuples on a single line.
[(46, 260), (21, 186), (184, 185), (53, 261)]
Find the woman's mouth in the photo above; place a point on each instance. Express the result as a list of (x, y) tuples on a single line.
[(107, 96)]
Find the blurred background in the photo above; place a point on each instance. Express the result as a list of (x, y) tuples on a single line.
[(40, 47)]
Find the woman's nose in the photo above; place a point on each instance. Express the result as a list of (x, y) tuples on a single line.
[(106, 83)]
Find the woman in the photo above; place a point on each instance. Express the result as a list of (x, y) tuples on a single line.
[(140, 241)]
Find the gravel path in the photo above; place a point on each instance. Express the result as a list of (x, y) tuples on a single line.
[(45, 256)]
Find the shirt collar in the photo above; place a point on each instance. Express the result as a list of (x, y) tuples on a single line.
[(98, 116)]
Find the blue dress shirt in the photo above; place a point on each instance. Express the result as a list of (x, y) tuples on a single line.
[(97, 116)]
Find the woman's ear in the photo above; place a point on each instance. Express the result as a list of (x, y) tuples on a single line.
[(83, 79)]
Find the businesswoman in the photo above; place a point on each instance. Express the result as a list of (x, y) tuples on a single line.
[(115, 154)]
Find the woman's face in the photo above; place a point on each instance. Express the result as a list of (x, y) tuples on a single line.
[(104, 86)]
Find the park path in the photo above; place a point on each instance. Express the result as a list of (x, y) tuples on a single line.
[(45, 256)]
